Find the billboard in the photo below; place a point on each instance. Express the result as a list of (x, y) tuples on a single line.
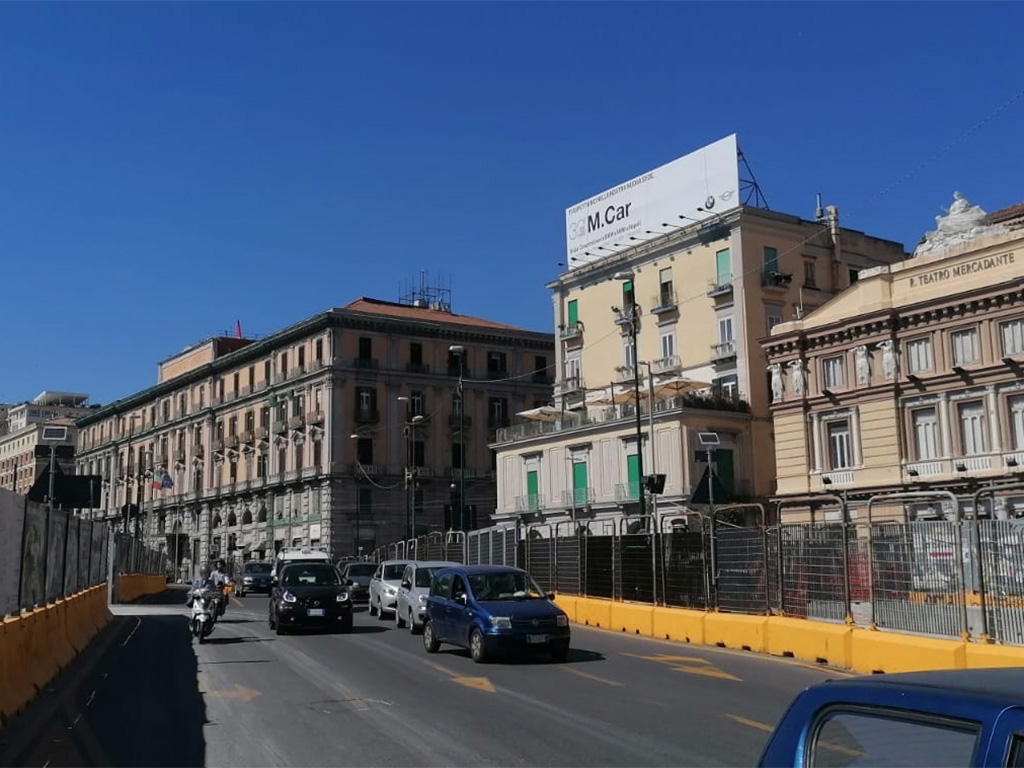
[(621, 216)]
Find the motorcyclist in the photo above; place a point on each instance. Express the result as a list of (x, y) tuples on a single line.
[(220, 579), (203, 580)]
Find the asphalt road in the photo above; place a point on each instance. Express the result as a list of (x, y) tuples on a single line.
[(145, 694)]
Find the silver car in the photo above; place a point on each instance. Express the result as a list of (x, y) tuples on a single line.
[(412, 593), (384, 587)]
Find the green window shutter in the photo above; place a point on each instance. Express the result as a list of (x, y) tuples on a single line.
[(771, 260), (633, 472), (579, 482), (574, 316), (723, 267), (532, 494), (725, 468)]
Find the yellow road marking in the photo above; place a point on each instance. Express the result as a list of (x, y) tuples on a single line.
[(476, 683), (689, 664), (588, 676), (832, 746), (751, 723), (666, 659), (708, 672)]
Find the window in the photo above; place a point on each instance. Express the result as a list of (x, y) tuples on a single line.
[(628, 352), (318, 395), (166, 410), (727, 385), (415, 353), (284, 363), (457, 455), (266, 371), (416, 402), (1016, 752), (220, 429), (298, 404), (919, 355), (317, 453), (1013, 338), (497, 412), (364, 399), (668, 344), (319, 350), (233, 426), (966, 349), (723, 268), (540, 364), (364, 450), (282, 460), (496, 365), (773, 317), (365, 348), (840, 456), (252, 376), (1017, 421), (235, 384), (233, 471), (181, 407), (810, 280), (833, 372), (261, 464), (572, 369), (628, 297), (875, 736), (574, 315), (265, 417), (302, 357), (666, 295), (250, 421), (854, 276), (456, 403), (725, 329), (771, 261), (299, 457), (926, 431), (973, 432)]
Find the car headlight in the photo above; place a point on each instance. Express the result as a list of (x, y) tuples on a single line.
[(288, 597), (562, 620), (247, 580), (342, 597), (501, 622), (423, 599), (390, 590)]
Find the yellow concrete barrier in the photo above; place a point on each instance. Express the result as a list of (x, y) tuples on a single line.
[(568, 604), (981, 655), (60, 646), (636, 619), (594, 612), (733, 630), (810, 641), (679, 624), (132, 586), (873, 651), (15, 688)]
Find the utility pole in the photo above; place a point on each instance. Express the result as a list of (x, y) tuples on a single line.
[(460, 350)]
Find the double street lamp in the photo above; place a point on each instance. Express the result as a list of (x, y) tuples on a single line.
[(411, 422), (634, 322), (460, 351)]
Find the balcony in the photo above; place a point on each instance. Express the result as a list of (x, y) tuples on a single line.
[(497, 373), (197, 450), (571, 332), (456, 371), (776, 281), (497, 422), (578, 497), (454, 420), (297, 371), (624, 316), (670, 364), (723, 350), (262, 433), (373, 470), (719, 287), (280, 427), (665, 301), (417, 368), (531, 502), (627, 491), (248, 437), (179, 455), (231, 441), (926, 469), (296, 422), (315, 417), (625, 373), (218, 445), (831, 479), (973, 464), (569, 386), (366, 363), (542, 377), (366, 415)]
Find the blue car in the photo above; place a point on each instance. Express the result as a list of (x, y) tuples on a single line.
[(968, 717), (493, 610)]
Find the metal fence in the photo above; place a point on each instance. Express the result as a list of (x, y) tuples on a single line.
[(946, 578)]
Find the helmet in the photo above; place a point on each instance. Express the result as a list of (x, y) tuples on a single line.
[(204, 572)]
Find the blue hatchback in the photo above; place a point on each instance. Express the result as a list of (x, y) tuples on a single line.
[(492, 610)]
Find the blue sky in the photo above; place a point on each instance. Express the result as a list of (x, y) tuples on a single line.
[(168, 168)]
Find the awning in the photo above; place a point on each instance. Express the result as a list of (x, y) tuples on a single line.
[(678, 386), (545, 413)]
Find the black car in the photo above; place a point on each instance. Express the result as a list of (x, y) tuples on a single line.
[(357, 577), (310, 595), (255, 578)]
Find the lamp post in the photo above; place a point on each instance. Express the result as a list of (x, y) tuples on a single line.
[(355, 540), (458, 349), (128, 467), (411, 421), (634, 321)]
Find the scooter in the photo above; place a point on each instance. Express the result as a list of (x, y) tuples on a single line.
[(205, 609)]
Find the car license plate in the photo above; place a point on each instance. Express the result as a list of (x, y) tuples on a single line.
[(536, 639), (315, 612)]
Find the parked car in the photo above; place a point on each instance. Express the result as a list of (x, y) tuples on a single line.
[(411, 605), (384, 587), (493, 610), (309, 595), (256, 577), (970, 717), (357, 577)]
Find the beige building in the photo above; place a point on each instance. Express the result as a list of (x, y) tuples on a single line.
[(301, 437), (22, 430), (912, 378), (706, 292)]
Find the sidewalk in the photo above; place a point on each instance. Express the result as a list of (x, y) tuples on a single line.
[(130, 699)]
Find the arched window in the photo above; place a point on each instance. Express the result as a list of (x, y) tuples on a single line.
[(247, 517), (216, 520), (262, 516), (232, 519)]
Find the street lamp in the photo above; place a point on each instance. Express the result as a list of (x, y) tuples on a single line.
[(128, 465), (634, 322), (355, 541), (458, 349), (411, 421)]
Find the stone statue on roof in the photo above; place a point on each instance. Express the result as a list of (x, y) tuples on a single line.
[(963, 222)]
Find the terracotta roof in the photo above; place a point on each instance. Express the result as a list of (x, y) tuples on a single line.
[(425, 314), (1005, 214)]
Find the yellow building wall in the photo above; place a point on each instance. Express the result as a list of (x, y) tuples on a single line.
[(185, 363), (792, 454)]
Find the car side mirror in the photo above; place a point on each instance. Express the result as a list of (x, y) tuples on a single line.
[(273, 580), (461, 600), (552, 595), (406, 585)]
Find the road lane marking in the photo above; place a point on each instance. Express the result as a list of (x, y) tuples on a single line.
[(237, 602), (138, 623), (689, 664), (751, 723), (588, 676), (831, 746), (708, 672), (476, 683), (666, 659)]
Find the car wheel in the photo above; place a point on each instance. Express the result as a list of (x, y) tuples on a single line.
[(477, 650), (373, 611), (270, 621), (380, 612), (280, 628), (559, 651), (430, 641), (412, 625), (399, 621)]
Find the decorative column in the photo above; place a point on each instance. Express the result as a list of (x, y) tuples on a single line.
[(816, 441), (858, 459), (995, 433), (945, 433)]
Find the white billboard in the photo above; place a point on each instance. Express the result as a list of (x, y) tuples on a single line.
[(652, 204)]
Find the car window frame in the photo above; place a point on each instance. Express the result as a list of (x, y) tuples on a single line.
[(823, 715), (437, 583), (377, 574), (409, 574), (465, 586)]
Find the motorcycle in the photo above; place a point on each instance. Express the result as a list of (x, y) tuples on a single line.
[(205, 610)]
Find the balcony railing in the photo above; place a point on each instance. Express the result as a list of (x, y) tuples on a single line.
[(417, 368), (262, 433), (231, 441), (280, 427), (578, 497), (669, 364), (569, 332), (366, 415), (569, 385), (973, 463), (456, 370), (366, 363), (497, 373), (218, 445), (296, 422), (844, 477), (315, 417), (927, 468), (627, 491), (720, 287), (531, 502), (665, 301), (723, 350), (541, 377), (248, 437), (454, 420)]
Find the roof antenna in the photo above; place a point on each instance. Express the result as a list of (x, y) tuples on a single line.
[(819, 212)]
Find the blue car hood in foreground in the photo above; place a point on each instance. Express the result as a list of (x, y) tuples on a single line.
[(536, 608)]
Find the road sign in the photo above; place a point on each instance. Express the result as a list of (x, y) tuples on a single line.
[(55, 434), (702, 494), (65, 452)]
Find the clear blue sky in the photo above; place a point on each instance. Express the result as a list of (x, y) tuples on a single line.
[(166, 168)]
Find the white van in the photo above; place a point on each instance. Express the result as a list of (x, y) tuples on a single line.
[(289, 555)]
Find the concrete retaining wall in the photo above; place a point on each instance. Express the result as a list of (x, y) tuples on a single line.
[(861, 650), (132, 586)]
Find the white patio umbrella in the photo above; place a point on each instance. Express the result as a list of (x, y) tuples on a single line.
[(678, 385), (545, 413)]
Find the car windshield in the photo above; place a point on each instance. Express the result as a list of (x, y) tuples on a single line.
[(257, 568), (311, 576), (393, 572), (504, 586), (424, 575), (363, 569)]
